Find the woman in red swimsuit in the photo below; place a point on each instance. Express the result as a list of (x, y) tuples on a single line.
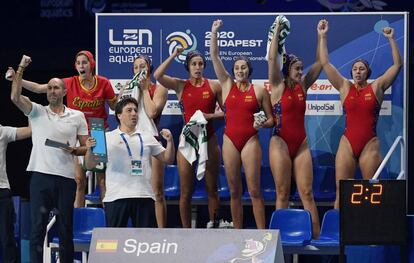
[(240, 140), (195, 93), (88, 93), (361, 101), (288, 150)]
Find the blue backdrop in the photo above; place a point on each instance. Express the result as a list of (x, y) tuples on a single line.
[(121, 37)]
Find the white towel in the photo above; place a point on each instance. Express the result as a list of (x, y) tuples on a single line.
[(284, 32), (193, 142), (145, 123)]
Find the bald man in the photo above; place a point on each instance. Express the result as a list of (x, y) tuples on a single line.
[(53, 183)]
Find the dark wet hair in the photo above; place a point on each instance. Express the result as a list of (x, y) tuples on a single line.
[(121, 105), (249, 64), (147, 60), (288, 61), (190, 55), (366, 65)]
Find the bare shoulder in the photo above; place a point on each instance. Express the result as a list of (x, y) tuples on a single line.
[(215, 85)]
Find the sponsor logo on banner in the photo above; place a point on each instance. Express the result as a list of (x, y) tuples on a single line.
[(118, 83), (128, 43), (172, 107), (323, 86), (186, 40), (386, 108), (106, 246), (334, 107), (314, 107)]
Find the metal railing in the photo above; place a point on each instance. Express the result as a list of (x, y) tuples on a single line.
[(398, 141)]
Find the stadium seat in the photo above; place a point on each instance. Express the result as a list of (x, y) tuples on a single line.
[(85, 219), (295, 226), (223, 187), (171, 182), (95, 197), (329, 236), (267, 184), (200, 193)]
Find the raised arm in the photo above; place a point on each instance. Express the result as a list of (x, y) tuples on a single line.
[(337, 80), (29, 85), (316, 68), (112, 103), (275, 75), (153, 107), (168, 155), (223, 76), (22, 102), (385, 81), (165, 80)]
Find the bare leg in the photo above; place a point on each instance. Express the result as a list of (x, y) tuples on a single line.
[(80, 178), (370, 158), (281, 166), (186, 173), (232, 163), (212, 172), (251, 156), (100, 178), (345, 165), (302, 169), (157, 181)]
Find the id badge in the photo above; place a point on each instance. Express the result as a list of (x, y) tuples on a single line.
[(136, 168)]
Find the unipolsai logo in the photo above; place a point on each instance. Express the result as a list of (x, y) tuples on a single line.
[(186, 39)]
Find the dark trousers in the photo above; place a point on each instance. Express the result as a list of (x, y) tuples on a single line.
[(140, 210), (7, 218), (48, 192)]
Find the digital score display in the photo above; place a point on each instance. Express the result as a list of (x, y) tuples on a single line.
[(372, 212)]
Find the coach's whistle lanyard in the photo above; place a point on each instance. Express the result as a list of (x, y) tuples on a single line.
[(136, 165)]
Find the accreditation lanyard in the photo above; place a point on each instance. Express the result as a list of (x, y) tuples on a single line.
[(136, 165)]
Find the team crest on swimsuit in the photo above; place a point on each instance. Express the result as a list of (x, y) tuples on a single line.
[(206, 95), (248, 98), (290, 97), (300, 96), (368, 96)]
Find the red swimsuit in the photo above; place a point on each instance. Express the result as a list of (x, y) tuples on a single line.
[(361, 109), (90, 101), (289, 114), (151, 91), (198, 98), (239, 109)]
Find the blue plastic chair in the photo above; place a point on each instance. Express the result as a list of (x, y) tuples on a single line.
[(329, 236), (294, 224), (223, 187), (267, 184), (85, 219), (95, 197), (200, 193), (171, 183)]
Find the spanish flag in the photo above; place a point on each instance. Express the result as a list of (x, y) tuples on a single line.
[(106, 246)]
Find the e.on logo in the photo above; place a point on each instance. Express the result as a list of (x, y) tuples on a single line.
[(131, 37)]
